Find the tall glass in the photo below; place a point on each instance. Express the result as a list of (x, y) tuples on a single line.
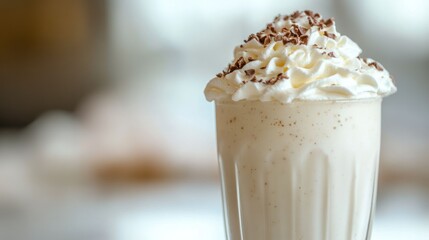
[(300, 171)]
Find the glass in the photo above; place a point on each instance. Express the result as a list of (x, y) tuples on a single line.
[(306, 170)]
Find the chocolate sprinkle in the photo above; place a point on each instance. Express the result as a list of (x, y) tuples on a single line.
[(240, 62), (294, 41), (251, 36), (311, 21), (331, 54), (302, 30), (329, 22), (275, 79), (271, 81), (296, 14), (267, 40), (309, 13), (376, 65), (304, 39), (295, 34), (237, 65), (250, 72), (329, 35)]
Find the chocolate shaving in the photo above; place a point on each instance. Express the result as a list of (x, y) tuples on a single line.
[(285, 40), (260, 35), (251, 36), (264, 38), (329, 35), (275, 79), (309, 13), (294, 41), (237, 65), (304, 39), (267, 40), (240, 62), (302, 30), (311, 21), (329, 22), (261, 38), (295, 30), (292, 34), (270, 81), (376, 65), (249, 72), (316, 46), (231, 68), (296, 14)]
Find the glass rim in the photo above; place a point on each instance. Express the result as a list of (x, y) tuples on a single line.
[(298, 101)]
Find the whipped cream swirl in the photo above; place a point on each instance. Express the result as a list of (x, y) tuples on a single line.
[(299, 57)]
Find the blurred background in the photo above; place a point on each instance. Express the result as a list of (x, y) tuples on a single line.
[(105, 133)]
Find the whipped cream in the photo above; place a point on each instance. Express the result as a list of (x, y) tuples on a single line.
[(299, 57)]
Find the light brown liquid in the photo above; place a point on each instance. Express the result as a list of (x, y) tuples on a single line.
[(300, 171)]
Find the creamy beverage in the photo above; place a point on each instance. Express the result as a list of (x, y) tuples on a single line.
[(298, 129), (298, 171)]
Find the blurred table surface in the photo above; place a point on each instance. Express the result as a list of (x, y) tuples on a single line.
[(177, 210)]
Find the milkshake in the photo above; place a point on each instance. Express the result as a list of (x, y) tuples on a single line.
[(298, 129), (298, 171)]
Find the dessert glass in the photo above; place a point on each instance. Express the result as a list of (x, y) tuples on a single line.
[(305, 170)]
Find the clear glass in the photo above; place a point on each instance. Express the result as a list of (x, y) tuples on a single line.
[(306, 170)]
